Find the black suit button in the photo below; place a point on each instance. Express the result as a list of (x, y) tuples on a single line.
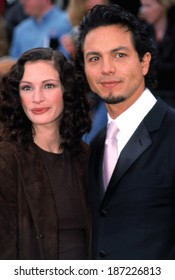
[(104, 212), (102, 254), (40, 236)]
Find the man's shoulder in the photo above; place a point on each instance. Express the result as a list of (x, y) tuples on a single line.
[(161, 117), (56, 11), (169, 111), (24, 25), (59, 17)]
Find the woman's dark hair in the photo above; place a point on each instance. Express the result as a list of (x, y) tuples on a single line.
[(75, 119), (102, 15)]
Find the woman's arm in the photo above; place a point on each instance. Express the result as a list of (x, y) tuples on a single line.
[(8, 202)]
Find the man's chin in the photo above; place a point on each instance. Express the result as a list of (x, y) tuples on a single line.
[(113, 99)]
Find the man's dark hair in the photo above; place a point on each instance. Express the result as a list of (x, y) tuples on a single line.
[(102, 15)]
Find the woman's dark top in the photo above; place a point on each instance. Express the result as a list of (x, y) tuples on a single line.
[(68, 197)]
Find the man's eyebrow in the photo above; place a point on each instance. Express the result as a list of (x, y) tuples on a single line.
[(92, 53), (120, 48)]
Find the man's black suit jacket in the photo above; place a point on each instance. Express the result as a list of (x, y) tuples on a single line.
[(135, 218)]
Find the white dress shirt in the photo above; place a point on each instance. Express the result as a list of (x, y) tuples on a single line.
[(130, 119)]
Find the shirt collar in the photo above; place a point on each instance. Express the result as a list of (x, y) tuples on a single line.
[(133, 116), (45, 16)]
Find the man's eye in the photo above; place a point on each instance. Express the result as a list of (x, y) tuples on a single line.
[(94, 58)]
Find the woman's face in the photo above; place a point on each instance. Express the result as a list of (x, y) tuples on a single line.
[(41, 93), (152, 11)]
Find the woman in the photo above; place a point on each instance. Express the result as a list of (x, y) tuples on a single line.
[(156, 14), (43, 209)]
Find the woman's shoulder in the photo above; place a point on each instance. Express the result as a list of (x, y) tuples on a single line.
[(10, 148), (11, 153), (8, 158), (7, 147), (85, 147), (83, 154)]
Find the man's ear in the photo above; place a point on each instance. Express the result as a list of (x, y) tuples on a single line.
[(145, 63)]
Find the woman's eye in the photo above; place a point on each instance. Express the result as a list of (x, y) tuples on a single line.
[(25, 88), (49, 86), (120, 55)]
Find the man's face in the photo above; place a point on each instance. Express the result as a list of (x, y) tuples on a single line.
[(112, 66), (33, 7)]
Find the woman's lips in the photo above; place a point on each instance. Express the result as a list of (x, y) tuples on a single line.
[(38, 111)]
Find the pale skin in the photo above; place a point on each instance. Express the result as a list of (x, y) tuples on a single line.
[(36, 8), (112, 67), (41, 94)]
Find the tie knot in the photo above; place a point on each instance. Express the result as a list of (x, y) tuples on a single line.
[(112, 130)]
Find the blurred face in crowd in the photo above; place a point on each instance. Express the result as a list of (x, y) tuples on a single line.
[(41, 93), (91, 3), (35, 8), (152, 11)]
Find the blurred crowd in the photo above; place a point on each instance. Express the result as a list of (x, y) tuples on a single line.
[(26, 24), (159, 15)]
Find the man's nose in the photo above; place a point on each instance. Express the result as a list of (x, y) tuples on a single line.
[(108, 66)]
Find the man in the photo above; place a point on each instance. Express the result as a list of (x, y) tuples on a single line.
[(134, 214), (4, 44), (43, 28), (13, 15)]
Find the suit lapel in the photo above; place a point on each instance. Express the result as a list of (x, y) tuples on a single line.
[(137, 144), (96, 163)]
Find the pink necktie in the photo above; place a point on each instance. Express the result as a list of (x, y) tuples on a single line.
[(110, 153)]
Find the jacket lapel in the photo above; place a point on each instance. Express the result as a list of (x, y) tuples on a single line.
[(137, 145), (96, 162), (36, 185)]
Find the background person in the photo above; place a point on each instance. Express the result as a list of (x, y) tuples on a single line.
[(162, 28), (45, 24), (13, 15), (4, 42)]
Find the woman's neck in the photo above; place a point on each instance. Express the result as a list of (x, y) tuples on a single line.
[(47, 138)]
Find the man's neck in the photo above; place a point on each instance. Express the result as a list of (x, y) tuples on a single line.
[(43, 11)]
